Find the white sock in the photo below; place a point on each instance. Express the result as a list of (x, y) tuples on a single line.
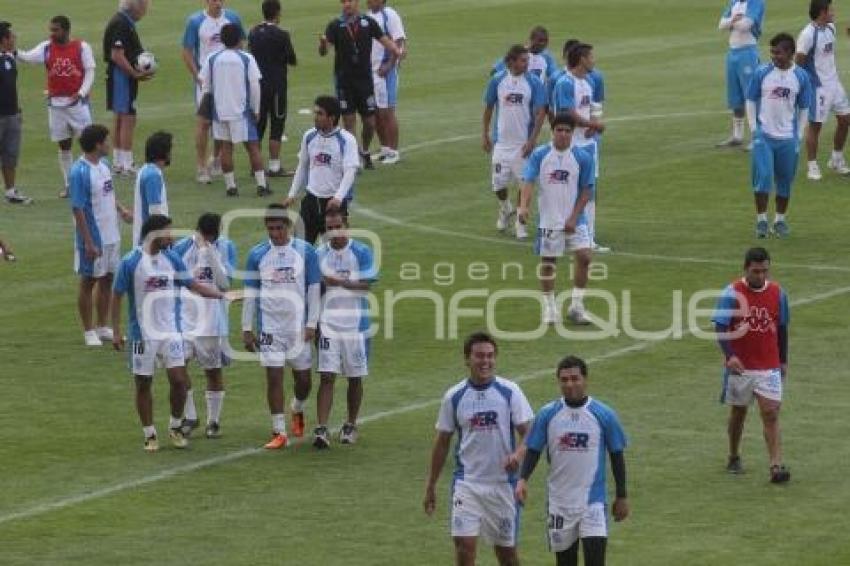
[(128, 158), (260, 177), (779, 218), (117, 155), (761, 217), (189, 410), (738, 128), (505, 205), (837, 154), (11, 191), (149, 431), (813, 164), (274, 165), (279, 423), (549, 298), (66, 160), (577, 301), (297, 405), (214, 401), (174, 422), (230, 180)]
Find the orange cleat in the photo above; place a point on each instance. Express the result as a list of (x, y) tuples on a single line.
[(298, 424), (278, 441)]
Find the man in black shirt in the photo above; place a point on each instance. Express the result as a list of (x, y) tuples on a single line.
[(272, 48), (351, 35), (121, 50), (10, 115)]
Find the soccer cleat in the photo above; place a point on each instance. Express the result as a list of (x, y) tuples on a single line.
[(504, 218), (212, 431), (367, 160), (762, 229), (391, 158), (232, 192), (813, 172), (551, 315), (129, 171), (105, 334), (91, 338), (734, 465), (16, 197), (779, 474), (731, 141), (578, 316), (204, 176), (320, 438), (263, 191), (382, 154), (839, 165), (600, 249), (63, 193), (348, 434), (151, 444), (178, 439), (298, 424), (116, 169), (187, 426), (278, 441), (781, 229), (521, 230), (279, 173)]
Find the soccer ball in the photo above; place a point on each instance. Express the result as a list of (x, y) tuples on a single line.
[(147, 62)]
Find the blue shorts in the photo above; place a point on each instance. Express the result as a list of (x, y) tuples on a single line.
[(741, 63), (121, 91), (774, 161)]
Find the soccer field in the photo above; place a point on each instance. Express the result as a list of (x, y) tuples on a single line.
[(78, 489)]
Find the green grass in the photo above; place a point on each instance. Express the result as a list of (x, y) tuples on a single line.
[(67, 414)]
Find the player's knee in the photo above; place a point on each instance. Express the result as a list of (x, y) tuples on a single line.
[(507, 556), (328, 379), (770, 414), (465, 550)]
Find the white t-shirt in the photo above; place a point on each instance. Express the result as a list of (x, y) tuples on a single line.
[(92, 192), (517, 100), (779, 96), (821, 63), (344, 310), (325, 157), (390, 22), (233, 78), (559, 175)]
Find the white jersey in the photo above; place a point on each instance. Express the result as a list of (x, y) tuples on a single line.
[(576, 442), (818, 45), (741, 32), (150, 283), (281, 278), (344, 310), (92, 192), (517, 100), (324, 158), (202, 35), (151, 197), (233, 78), (391, 24), (39, 55), (200, 316), (484, 418), (779, 96), (572, 93), (560, 175)]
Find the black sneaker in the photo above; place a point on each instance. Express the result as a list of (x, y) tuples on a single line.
[(735, 466), (367, 160), (212, 431), (232, 192), (348, 434), (279, 173), (321, 438), (779, 474), (187, 426), (263, 191)]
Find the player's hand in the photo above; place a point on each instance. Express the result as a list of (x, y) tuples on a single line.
[(384, 69), (234, 296), (334, 204), (126, 215), (92, 252), (117, 339), (332, 281), (309, 334), (75, 98), (737, 17), (486, 143), (595, 126), (734, 365), (143, 75), (527, 148), (323, 45), (521, 491), (620, 509), (522, 215), (570, 226), (287, 202), (249, 340), (512, 463), (430, 501)]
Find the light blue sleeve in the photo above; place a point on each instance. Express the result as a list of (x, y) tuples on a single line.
[(726, 306), (564, 96), (587, 169), (728, 11), (124, 277), (754, 88), (491, 93), (182, 277), (755, 12), (233, 17), (79, 185), (151, 187), (231, 258), (551, 65), (365, 263), (312, 272), (498, 67), (538, 438), (784, 309), (538, 94), (598, 82), (532, 165), (252, 268), (612, 430), (182, 246), (805, 96), (191, 38)]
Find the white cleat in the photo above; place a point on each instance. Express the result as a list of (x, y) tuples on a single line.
[(578, 316), (390, 158), (600, 249), (204, 176), (839, 165), (104, 333), (551, 315), (504, 219), (521, 231), (91, 338), (814, 173)]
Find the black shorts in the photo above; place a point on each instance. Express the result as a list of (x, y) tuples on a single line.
[(356, 95), (313, 215), (273, 112), (205, 108), (121, 91)]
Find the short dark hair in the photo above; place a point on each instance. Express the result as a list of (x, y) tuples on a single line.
[(577, 52), (5, 30), (61, 21), (785, 40), (564, 119), (568, 46), (154, 223), (276, 211), (817, 7), (570, 362), (209, 224), (478, 338), (271, 9), (756, 255), (332, 212), (330, 104), (230, 35), (514, 52), (538, 30), (158, 147), (91, 136)]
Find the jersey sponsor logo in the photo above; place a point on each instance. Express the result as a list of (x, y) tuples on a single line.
[(759, 320), (322, 159), (107, 186), (780, 93), (283, 275), (828, 48), (157, 283), (484, 420), (204, 273), (514, 98), (574, 442), (64, 67), (585, 100), (561, 176)]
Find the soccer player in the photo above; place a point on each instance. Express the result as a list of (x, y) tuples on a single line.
[(518, 100), (202, 38), (327, 166), (351, 34), (385, 76), (121, 50), (211, 259), (98, 237), (70, 75), (576, 431), (778, 100), (816, 54), (150, 194), (484, 410), (574, 93), (751, 321), (233, 78), (540, 60), (150, 276), (10, 116), (348, 273), (282, 304), (743, 19), (564, 175)]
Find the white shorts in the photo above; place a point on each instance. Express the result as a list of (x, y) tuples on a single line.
[(145, 354), (386, 88), (508, 165), (556, 243), (206, 350), (67, 123), (106, 263), (565, 526), (235, 131), (739, 390), (278, 349), (829, 98), (344, 354), (485, 510)]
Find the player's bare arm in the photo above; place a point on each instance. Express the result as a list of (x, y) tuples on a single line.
[(486, 140), (438, 459)]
